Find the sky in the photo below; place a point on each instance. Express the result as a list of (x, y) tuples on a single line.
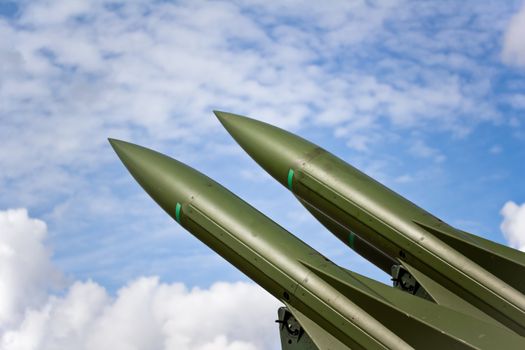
[(427, 97)]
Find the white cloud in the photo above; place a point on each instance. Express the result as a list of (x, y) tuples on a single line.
[(420, 149), (514, 40), (144, 314), (513, 225), (147, 314), (25, 269), (77, 72)]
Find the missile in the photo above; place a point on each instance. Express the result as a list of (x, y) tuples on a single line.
[(338, 308), (426, 256)]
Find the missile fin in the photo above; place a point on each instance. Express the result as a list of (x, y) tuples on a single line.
[(504, 262), (443, 296), (421, 323)]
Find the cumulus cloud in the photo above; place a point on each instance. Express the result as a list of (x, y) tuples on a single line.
[(513, 225), (513, 41), (25, 268), (144, 314), (147, 314)]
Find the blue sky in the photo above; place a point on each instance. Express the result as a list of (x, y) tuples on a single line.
[(427, 97)]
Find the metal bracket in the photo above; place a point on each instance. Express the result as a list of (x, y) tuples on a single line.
[(293, 336), (402, 279)]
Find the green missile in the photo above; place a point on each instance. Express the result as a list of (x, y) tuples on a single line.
[(339, 309), (455, 268)]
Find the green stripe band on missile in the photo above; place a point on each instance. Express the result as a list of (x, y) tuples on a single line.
[(290, 179), (177, 212), (351, 239)]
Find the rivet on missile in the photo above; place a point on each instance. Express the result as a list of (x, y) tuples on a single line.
[(290, 178), (177, 212)]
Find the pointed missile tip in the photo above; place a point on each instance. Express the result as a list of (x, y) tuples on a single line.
[(113, 142), (233, 123), (121, 148), (218, 113), (224, 117), (116, 144), (227, 120)]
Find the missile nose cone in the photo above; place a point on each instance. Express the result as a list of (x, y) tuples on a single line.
[(134, 157), (226, 118), (168, 181), (275, 150), (244, 130), (114, 142), (122, 148)]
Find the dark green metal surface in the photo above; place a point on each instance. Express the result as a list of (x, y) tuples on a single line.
[(457, 269), (338, 308)]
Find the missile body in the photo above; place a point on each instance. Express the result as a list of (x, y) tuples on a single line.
[(459, 270), (254, 244), (353, 311)]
